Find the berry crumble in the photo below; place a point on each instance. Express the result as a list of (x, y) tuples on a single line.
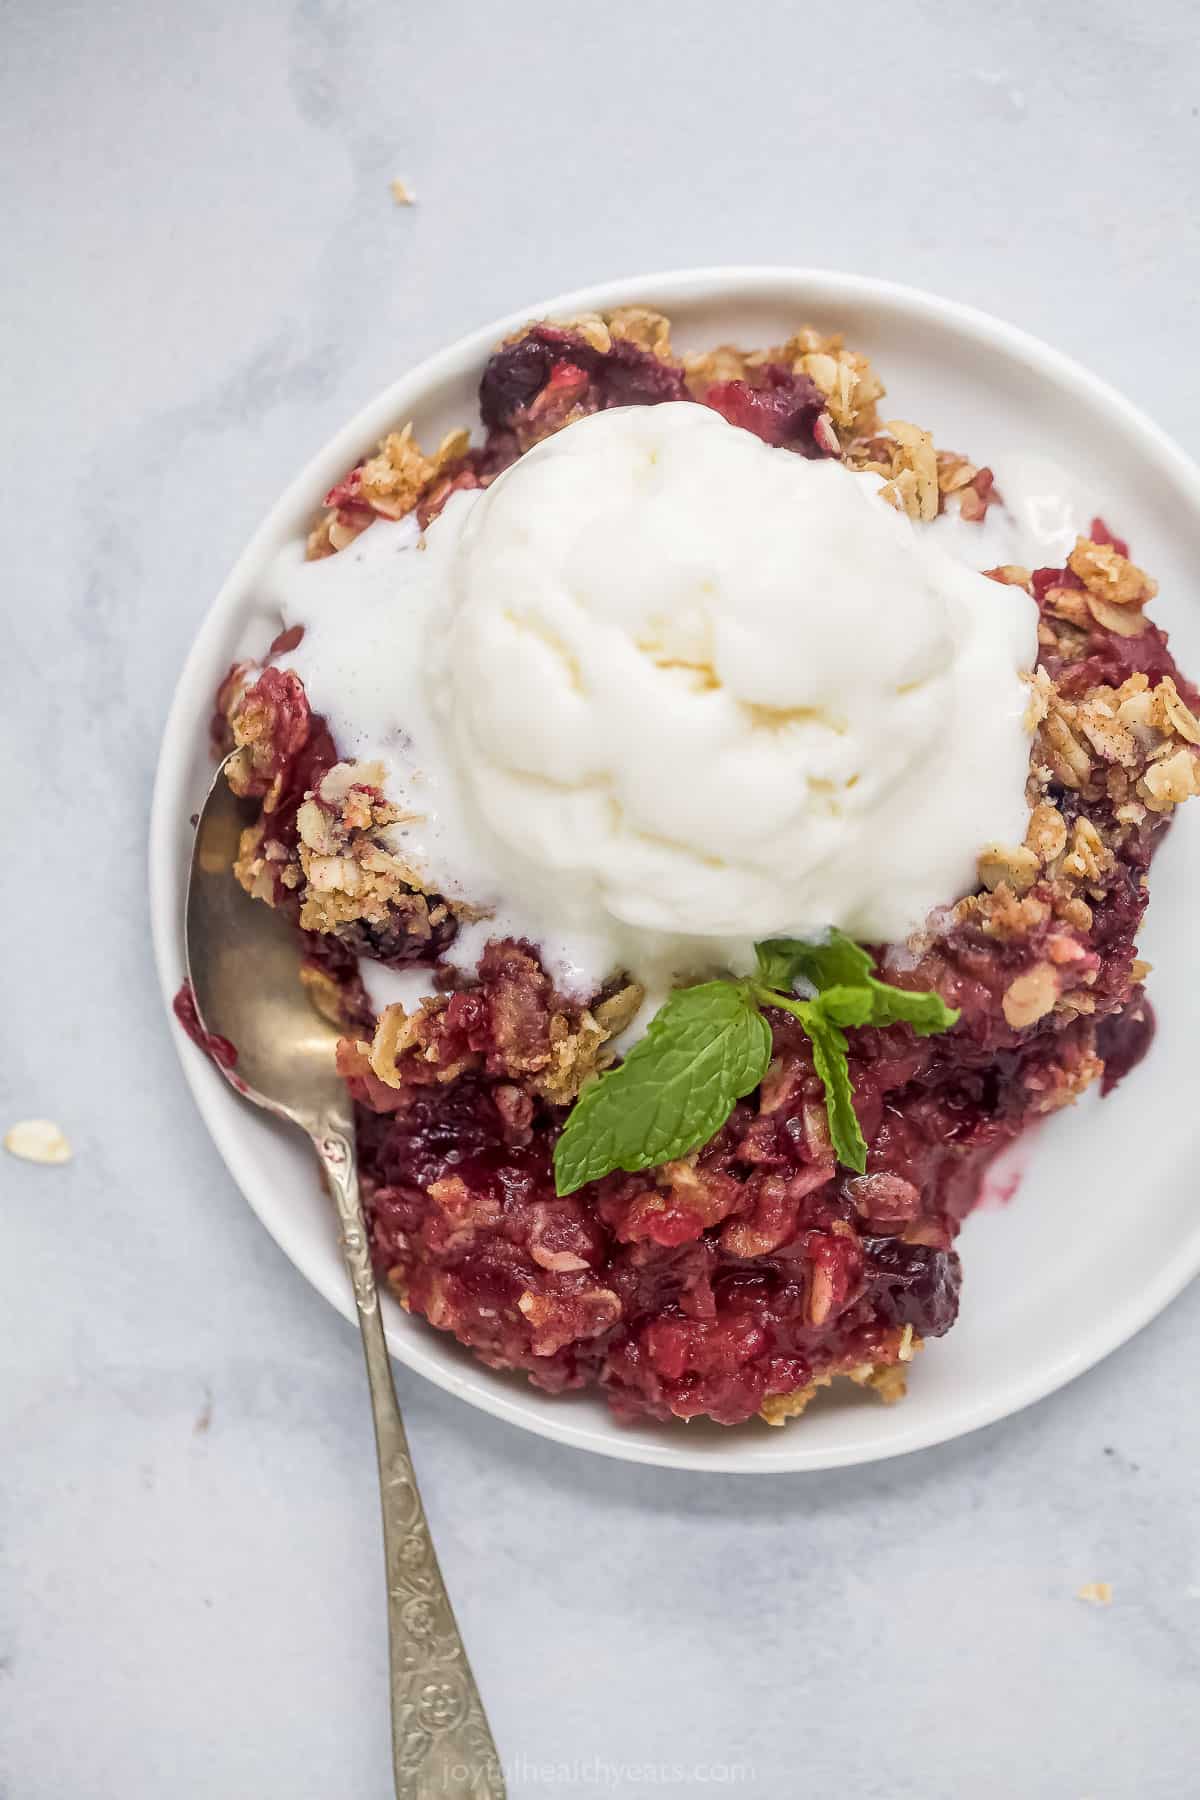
[(737, 1278)]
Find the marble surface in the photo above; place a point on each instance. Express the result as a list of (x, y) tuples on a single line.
[(206, 273)]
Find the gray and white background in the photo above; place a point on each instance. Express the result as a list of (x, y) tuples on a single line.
[(203, 275)]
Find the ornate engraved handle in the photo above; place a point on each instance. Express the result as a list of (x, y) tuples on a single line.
[(441, 1744)]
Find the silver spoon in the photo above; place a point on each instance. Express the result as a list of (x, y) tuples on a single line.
[(244, 966)]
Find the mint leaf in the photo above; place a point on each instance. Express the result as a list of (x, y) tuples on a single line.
[(837, 961), (830, 1061), (780, 961), (847, 1005), (832, 961), (705, 1048), (926, 1013)]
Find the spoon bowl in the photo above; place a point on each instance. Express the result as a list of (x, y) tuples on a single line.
[(243, 961)]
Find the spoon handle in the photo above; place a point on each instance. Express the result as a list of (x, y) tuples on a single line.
[(441, 1743)]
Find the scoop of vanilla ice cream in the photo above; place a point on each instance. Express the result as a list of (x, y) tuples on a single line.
[(697, 686)]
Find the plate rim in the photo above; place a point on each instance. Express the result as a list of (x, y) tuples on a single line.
[(219, 1106)]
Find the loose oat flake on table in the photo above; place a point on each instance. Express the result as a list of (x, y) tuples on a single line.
[(792, 1243), (37, 1141)]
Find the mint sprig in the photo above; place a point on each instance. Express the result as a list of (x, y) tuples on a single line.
[(837, 963), (707, 1046)]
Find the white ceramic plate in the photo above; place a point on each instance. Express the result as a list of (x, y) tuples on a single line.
[(1105, 1227)]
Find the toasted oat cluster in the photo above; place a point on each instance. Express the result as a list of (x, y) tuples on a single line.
[(739, 1280)]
